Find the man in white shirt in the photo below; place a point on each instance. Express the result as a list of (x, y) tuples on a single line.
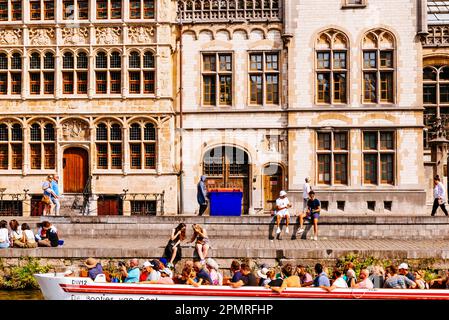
[(439, 194), (282, 205), (305, 193), (338, 283)]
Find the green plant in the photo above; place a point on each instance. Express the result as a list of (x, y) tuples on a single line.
[(21, 277)]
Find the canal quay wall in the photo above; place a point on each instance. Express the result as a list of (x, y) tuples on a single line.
[(418, 240)]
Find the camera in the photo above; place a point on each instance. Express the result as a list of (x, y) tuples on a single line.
[(122, 264)]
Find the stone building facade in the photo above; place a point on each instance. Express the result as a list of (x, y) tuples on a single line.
[(348, 112), (86, 92)]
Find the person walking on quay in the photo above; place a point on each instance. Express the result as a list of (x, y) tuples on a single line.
[(313, 212), (305, 193), (439, 194), (282, 205), (173, 248), (55, 189), (202, 242), (48, 193), (202, 195)]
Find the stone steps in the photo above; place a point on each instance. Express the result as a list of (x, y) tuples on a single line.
[(331, 227)]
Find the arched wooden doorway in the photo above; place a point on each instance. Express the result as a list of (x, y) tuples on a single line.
[(272, 185), (228, 167), (76, 169)]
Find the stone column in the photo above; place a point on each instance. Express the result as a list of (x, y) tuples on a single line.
[(126, 208)]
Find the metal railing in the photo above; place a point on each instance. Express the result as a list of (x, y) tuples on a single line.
[(201, 11), (87, 194), (145, 203)]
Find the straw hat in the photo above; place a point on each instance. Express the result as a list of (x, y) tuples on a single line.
[(90, 263), (212, 263), (262, 273)]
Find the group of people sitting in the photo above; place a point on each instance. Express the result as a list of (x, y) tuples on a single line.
[(196, 274), (21, 236)]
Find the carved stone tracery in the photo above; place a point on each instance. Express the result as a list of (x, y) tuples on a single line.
[(42, 36), (10, 36), (75, 35), (141, 34), (75, 129), (108, 35)]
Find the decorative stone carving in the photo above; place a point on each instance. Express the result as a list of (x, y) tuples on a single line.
[(10, 37), (141, 34), (164, 75), (41, 37), (108, 35), (75, 36), (75, 130)]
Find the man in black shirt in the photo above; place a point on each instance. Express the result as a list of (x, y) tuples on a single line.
[(247, 278), (312, 212)]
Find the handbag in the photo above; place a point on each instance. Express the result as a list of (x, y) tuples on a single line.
[(46, 199)]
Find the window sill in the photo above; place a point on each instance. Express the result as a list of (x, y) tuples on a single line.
[(107, 172), (354, 6), (10, 172)]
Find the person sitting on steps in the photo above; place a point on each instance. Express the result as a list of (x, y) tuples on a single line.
[(282, 205)]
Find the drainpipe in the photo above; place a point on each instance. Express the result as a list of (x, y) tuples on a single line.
[(181, 91), (422, 18)]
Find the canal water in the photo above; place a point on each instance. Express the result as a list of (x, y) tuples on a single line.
[(21, 295)]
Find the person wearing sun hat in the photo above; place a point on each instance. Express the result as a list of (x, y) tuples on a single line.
[(282, 205), (94, 268), (262, 274)]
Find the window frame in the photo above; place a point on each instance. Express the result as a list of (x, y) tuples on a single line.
[(109, 142), (331, 71), (378, 152), (110, 82), (142, 143), (332, 152), (10, 12), (143, 10), (9, 74), (42, 10), (264, 74), (43, 71), (10, 143), (43, 143), (143, 71), (109, 10), (379, 70), (217, 74), (76, 11), (347, 5)]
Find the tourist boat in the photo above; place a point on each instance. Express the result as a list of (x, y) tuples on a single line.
[(56, 286)]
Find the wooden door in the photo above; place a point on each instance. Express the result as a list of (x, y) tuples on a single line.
[(228, 167), (108, 206), (272, 185), (76, 170)]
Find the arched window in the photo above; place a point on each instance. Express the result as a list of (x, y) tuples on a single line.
[(11, 74), (141, 73), (142, 137), (74, 73), (378, 67), (11, 146), (109, 145), (42, 146), (141, 9), (42, 73), (108, 75), (332, 67), (109, 9)]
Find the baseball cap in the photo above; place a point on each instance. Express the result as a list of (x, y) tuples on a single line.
[(147, 264), (282, 193), (403, 266), (262, 273)]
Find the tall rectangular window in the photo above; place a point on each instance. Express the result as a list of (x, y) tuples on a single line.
[(109, 9), (378, 157), (264, 78), (378, 76), (332, 157), (331, 76), (217, 79)]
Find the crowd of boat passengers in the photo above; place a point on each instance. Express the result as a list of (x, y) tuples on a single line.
[(204, 270)]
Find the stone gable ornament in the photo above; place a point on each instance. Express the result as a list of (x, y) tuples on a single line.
[(41, 37), (141, 34), (10, 37), (75, 130), (75, 36), (109, 35)]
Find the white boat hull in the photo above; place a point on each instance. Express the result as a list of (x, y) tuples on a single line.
[(58, 287)]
